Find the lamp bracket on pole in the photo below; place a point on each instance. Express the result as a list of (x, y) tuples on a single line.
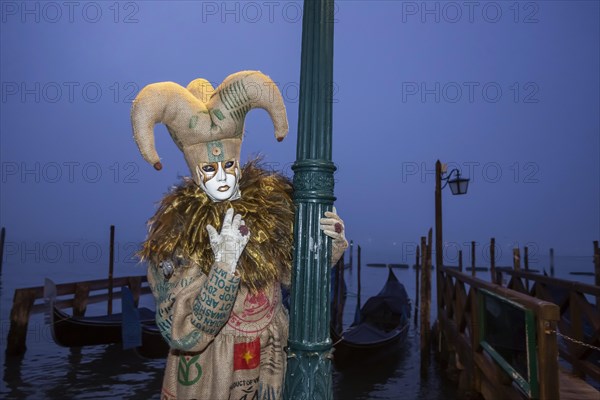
[(458, 185)]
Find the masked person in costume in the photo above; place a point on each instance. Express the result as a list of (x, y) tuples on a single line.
[(219, 247)]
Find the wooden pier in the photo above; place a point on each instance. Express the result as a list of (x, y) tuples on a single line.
[(27, 301), (504, 341)]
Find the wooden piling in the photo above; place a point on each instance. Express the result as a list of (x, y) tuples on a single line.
[(526, 265), (423, 344), (111, 266), (358, 256), (517, 259), (19, 320), (597, 270), (493, 259), (460, 261), (2, 236), (425, 302), (551, 262), (417, 269), (473, 271)]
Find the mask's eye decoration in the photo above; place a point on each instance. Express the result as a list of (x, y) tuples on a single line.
[(207, 171), (229, 166)]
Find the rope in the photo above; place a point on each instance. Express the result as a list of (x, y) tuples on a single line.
[(572, 340), (341, 338)]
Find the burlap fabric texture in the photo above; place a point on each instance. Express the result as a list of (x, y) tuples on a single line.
[(227, 332)]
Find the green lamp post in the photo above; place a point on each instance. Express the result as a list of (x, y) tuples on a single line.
[(308, 373)]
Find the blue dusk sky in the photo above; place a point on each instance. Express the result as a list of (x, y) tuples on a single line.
[(506, 91)]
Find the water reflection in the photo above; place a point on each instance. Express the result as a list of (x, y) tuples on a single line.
[(365, 378), (100, 372), (13, 379)]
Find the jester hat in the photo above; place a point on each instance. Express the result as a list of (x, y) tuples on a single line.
[(207, 124)]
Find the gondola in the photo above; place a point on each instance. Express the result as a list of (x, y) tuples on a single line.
[(71, 331), (153, 345), (379, 327)]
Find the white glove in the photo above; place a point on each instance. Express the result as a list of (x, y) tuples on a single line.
[(333, 226), (230, 243)]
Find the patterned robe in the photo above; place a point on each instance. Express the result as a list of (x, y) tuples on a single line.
[(226, 331), (226, 342)]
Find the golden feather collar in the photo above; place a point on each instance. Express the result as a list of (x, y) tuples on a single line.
[(177, 231)]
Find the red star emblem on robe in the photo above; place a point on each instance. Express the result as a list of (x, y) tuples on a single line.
[(246, 355)]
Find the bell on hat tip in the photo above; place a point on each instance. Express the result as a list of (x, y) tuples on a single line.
[(280, 139), (158, 166)]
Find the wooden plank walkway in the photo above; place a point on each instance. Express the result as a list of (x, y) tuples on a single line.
[(574, 388)]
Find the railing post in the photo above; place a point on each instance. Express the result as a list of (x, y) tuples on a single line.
[(547, 353), (308, 373), (475, 339), (135, 285), (80, 300), (517, 259)]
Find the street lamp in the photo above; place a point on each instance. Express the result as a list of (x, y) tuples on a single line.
[(457, 185)]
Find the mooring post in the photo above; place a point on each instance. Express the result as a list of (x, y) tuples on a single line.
[(422, 316), (2, 236), (439, 250), (358, 282), (308, 373), (417, 269), (551, 262), (460, 261), (526, 265), (425, 303), (493, 259), (597, 270), (473, 271), (111, 266), (19, 320), (359, 285)]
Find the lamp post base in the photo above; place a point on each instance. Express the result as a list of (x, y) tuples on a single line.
[(310, 373)]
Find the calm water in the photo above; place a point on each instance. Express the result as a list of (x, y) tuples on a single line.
[(48, 371)]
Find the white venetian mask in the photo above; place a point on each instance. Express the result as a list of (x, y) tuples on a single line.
[(220, 180)]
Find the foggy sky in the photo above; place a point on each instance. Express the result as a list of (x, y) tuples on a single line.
[(507, 92)]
